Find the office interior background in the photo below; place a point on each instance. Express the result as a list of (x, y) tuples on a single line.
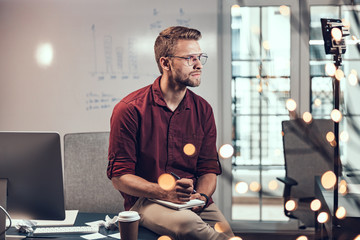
[(65, 64)]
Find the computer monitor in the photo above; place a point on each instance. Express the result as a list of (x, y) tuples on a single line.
[(31, 178)]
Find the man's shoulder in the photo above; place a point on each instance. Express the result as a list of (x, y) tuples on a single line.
[(137, 95)]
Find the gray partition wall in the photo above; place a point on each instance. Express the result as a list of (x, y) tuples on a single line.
[(87, 187)]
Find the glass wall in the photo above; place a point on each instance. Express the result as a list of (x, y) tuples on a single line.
[(322, 84), (260, 87)]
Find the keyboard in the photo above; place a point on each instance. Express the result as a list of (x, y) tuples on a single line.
[(65, 230)]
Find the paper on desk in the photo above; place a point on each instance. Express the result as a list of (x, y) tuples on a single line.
[(93, 236), (115, 235), (70, 216)]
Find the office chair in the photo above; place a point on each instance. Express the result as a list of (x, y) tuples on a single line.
[(307, 154), (87, 187)]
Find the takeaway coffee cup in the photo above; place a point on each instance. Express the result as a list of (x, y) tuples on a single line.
[(129, 225)]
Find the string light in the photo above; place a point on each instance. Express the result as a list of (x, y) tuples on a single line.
[(273, 185), (189, 149), (323, 217), (340, 212), (307, 117), (164, 238), (255, 186), (166, 181), (315, 205), (328, 179), (336, 115), (343, 188), (241, 187), (339, 74), (284, 10), (336, 34), (290, 205), (330, 69), (291, 105), (302, 238), (226, 151)]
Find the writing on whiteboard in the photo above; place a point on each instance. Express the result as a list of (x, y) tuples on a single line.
[(98, 101)]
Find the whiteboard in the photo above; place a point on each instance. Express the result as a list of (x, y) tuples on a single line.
[(101, 51)]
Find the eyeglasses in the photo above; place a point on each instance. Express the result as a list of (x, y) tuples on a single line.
[(191, 60)]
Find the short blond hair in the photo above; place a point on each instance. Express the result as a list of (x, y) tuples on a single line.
[(166, 42)]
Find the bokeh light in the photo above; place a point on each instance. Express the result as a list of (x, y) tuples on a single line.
[(346, 23), (284, 10), (221, 227), (328, 179), (343, 187), (357, 237), (317, 102), (226, 151), (255, 186), (336, 115), (164, 238), (340, 212), (330, 136), (330, 69), (235, 238), (290, 205), (315, 205), (44, 54), (307, 117), (353, 80), (241, 187), (339, 74), (189, 149), (323, 217), (336, 34), (273, 185), (166, 181), (290, 104), (266, 45), (235, 10), (344, 136), (302, 238)]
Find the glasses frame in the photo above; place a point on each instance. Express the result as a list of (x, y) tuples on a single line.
[(202, 55)]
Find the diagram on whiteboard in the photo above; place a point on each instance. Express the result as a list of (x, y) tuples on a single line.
[(122, 58), (116, 62)]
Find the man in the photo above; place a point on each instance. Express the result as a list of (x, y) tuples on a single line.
[(149, 129)]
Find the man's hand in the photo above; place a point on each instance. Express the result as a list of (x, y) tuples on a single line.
[(182, 191), (198, 196)]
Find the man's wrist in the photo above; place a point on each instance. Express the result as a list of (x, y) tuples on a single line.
[(205, 196)]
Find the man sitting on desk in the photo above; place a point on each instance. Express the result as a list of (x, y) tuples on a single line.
[(149, 129)]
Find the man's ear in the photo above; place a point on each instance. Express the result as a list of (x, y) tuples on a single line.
[(165, 63)]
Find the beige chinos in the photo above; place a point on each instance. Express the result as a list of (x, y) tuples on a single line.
[(182, 224)]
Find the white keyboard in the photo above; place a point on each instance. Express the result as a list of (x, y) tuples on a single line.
[(65, 230)]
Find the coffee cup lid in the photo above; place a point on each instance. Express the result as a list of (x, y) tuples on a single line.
[(128, 216)]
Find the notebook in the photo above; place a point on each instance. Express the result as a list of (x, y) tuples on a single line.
[(180, 206)]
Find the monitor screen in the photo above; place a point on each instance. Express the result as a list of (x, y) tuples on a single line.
[(31, 169)]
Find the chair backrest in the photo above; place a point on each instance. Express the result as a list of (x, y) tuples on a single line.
[(87, 187), (307, 153)]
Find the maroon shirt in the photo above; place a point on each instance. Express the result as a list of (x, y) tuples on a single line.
[(147, 138)]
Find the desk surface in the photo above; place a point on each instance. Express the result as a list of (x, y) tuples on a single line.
[(346, 228), (82, 218)]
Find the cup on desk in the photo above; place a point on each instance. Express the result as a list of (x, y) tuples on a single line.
[(129, 225)]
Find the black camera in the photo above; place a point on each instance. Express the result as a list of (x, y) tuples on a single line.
[(333, 31)]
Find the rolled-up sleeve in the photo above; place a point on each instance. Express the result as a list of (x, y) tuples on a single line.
[(122, 141), (208, 160)]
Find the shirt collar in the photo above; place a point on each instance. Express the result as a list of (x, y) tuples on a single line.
[(159, 98)]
